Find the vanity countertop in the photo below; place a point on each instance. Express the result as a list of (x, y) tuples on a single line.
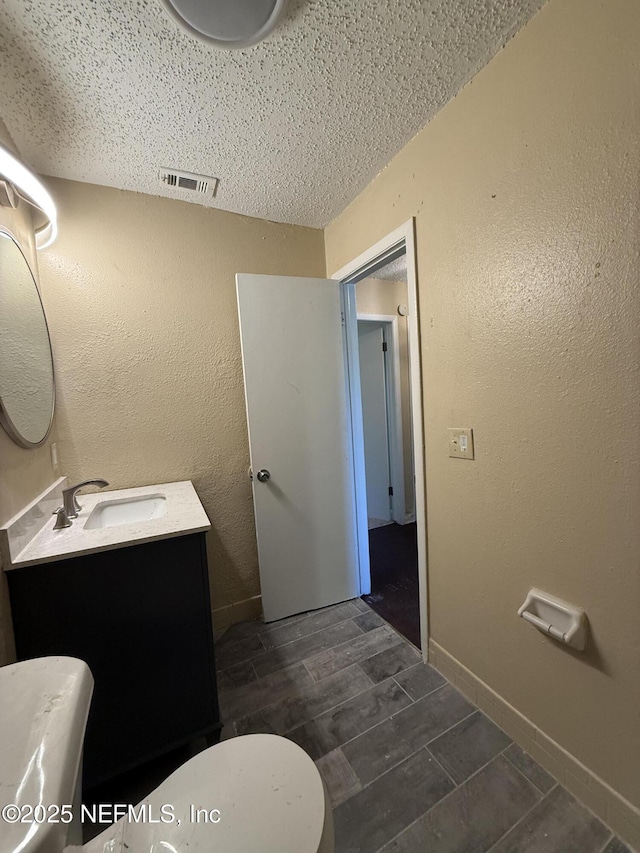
[(185, 514)]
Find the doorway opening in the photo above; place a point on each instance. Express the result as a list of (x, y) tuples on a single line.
[(383, 367), (385, 394)]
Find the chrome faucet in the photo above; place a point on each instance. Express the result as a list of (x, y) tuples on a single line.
[(70, 506)]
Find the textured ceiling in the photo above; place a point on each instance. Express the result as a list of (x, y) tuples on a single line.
[(108, 91), (393, 271)]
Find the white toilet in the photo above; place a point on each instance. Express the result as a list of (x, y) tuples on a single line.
[(251, 794)]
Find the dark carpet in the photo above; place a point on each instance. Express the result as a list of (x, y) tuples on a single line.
[(393, 553)]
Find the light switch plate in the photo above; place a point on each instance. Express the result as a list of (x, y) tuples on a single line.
[(461, 443)]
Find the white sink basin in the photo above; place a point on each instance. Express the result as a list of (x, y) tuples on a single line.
[(111, 513)]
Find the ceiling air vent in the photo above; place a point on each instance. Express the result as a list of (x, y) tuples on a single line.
[(201, 184)]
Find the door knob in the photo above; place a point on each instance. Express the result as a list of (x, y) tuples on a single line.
[(263, 475)]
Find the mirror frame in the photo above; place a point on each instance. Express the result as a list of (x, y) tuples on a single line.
[(5, 420)]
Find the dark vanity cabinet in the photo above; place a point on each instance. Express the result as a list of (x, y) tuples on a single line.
[(140, 616)]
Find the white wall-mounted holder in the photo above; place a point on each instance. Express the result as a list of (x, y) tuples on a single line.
[(560, 620)]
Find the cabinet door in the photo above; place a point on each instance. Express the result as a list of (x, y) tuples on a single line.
[(140, 617)]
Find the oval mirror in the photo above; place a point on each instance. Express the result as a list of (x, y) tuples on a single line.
[(27, 391)]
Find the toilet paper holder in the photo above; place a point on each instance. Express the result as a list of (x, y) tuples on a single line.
[(558, 619)]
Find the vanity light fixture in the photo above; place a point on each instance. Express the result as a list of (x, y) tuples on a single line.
[(227, 23), (30, 188)]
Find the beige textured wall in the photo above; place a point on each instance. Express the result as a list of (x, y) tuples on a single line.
[(23, 473), (377, 296), (140, 293), (526, 192)]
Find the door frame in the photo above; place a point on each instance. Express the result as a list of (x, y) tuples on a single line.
[(398, 242), (390, 328)]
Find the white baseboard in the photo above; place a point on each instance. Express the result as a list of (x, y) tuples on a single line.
[(621, 816), (239, 611), (408, 519)]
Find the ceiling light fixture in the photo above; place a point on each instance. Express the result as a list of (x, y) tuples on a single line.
[(227, 23), (33, 191)]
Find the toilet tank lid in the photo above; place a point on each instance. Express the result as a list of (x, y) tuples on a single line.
[(44, 705)]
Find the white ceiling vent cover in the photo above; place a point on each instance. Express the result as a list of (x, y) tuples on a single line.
[(200, 184)]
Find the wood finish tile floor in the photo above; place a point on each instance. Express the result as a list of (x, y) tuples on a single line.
[(409, 763)]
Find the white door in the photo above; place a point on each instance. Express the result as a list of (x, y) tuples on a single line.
[(299, 432), (374, 416)]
